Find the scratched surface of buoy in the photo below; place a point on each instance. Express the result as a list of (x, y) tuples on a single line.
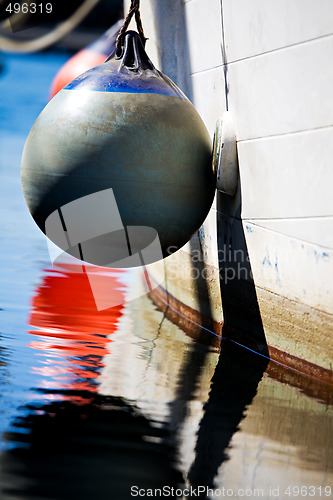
[(118, 164)]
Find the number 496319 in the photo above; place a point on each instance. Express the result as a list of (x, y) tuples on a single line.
[(31, 8), (308, 491)]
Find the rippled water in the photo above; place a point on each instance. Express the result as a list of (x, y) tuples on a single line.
[(93, 403)]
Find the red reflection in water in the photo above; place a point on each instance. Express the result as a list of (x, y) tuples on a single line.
[(72, 333)]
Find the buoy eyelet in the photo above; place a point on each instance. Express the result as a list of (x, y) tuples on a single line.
[(134, 56)]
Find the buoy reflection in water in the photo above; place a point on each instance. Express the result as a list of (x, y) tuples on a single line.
[(73, 336)]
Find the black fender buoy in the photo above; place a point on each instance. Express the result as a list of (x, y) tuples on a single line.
[(119, 164)]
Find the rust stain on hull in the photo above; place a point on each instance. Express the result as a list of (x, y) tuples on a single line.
[(313, 380)]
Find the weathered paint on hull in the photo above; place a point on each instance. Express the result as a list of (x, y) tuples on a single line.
[(277, 287), (288, 332)]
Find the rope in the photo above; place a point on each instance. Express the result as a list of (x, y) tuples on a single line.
[(9, 45), (134, 10)]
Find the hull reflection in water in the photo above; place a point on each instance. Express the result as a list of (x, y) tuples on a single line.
[(128, 399)]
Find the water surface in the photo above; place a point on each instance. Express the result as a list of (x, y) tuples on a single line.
[(94, 403)]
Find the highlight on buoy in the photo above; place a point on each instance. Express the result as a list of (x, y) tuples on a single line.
[(117, 169)]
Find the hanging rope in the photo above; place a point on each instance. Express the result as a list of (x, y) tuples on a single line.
[(134, 10)]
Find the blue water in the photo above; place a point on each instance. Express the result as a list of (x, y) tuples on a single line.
[(24, 87), (93, 404)]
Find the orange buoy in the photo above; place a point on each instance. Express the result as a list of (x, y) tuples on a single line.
[(85, 59)]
